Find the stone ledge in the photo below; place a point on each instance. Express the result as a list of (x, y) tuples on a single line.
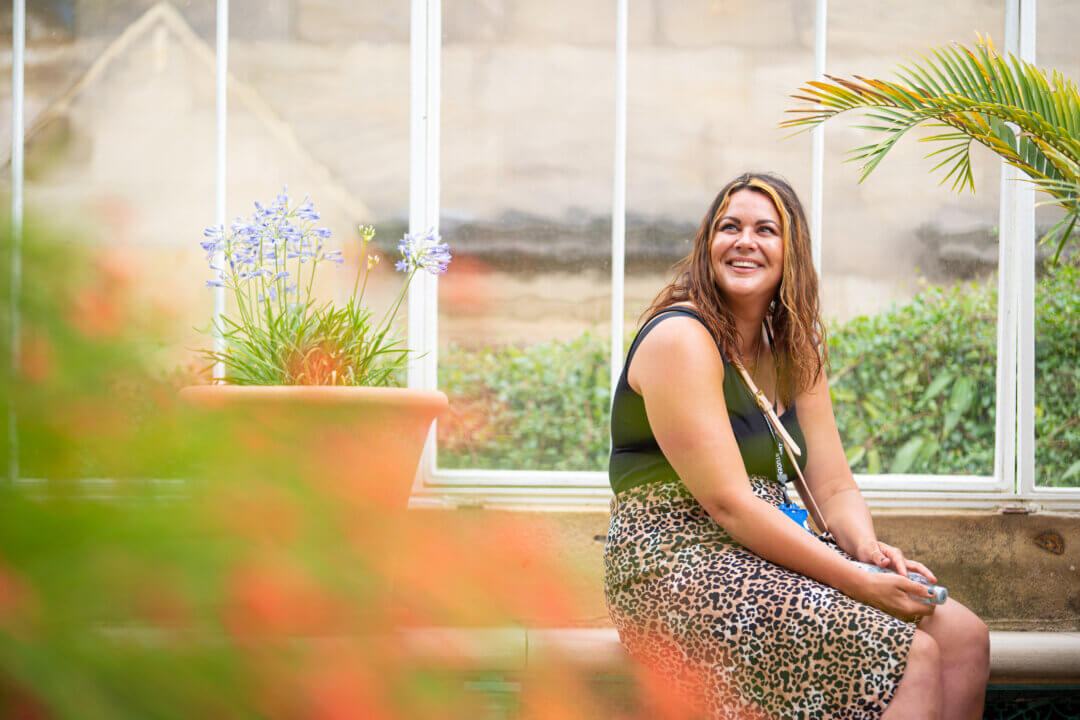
[(1015, 657), (1017, 572)]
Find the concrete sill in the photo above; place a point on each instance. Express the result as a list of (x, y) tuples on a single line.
[(1015, 657)]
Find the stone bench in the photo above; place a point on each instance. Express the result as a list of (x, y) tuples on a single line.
[(1016, 657)]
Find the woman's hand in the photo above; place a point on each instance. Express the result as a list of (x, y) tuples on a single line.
[(895, 594), (881, 554)]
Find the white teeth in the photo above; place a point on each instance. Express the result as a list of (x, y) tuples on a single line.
[(743, 263)]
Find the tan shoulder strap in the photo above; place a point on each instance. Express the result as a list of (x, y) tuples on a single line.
[(790, 446)]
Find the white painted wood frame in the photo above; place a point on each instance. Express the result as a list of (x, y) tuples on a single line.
[(425, 51), (221, 83), (18, 95), (1014, 442)]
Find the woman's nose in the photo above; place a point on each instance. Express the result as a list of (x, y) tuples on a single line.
[(745, 239)]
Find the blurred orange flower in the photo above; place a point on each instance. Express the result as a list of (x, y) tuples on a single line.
[(36, 356), (267, 598), (16, 601)]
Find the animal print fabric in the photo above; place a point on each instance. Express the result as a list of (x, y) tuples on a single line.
[(739, 636)]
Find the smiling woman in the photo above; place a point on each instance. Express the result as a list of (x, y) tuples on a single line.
[(748, 247), (706, 582), (757, 220)]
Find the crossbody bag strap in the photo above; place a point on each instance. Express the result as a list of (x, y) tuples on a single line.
[(790, 447)]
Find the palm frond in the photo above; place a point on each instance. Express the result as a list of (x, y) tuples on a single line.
[(1030, 118)]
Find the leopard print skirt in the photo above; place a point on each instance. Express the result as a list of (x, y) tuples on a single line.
[(736, 635)]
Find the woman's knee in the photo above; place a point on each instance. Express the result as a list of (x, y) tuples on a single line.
[(925, 655), (963, 638), (976, 645)]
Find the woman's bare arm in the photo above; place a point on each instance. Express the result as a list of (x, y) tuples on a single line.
[(828, 473), (829, 477), (680, 374)]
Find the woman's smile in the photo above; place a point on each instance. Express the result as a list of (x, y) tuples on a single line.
[(748, 247)]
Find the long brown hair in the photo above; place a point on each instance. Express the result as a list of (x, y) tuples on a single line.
[(794, 314)]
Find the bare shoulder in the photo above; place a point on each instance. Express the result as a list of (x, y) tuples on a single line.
[(677, 345), (816, 398)]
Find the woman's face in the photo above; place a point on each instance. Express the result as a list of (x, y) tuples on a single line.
[(747, 250)]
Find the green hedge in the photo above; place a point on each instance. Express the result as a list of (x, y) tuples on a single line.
[(543, 407), (913, 391)]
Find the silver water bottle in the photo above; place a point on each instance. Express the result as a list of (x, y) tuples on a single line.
[(940, 593)]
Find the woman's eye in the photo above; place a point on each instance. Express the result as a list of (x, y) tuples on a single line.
[(728, 226), (766, 229)]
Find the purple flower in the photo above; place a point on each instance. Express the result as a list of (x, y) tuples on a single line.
[(423, 252), (259, 246), (307, 211)]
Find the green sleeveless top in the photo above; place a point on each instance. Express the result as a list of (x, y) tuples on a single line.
[(636, 457)]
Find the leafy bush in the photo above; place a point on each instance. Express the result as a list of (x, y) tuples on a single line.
[(1057, 379), (914, 391), (914, 387), (545, 406)]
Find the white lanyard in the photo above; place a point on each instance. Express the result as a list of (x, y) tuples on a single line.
[(789, 445)]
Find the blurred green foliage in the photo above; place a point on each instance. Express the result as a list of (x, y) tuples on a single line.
[(1057, 378), (163, 561), (545, 406), (914, 391), (914, 387)]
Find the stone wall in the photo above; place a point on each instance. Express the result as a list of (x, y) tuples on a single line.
[(1015, 571), (527, 128)]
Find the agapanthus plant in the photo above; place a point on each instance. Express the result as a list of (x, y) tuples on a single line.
[(281, 334)]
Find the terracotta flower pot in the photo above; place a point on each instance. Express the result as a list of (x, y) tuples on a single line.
[(362, 442)]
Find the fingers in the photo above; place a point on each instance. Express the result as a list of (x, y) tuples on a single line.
[(914, 588), (914, 609), (923, 610), (919, 567), (879, 558), (896, 557)]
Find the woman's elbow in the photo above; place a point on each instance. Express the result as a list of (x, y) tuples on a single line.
[(727, 507)]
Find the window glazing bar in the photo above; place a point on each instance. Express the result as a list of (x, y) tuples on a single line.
[(618, 202), (1005, 412), (817, 140), (220, 165), (541, 479), (424, 48), (18, 56), (598, 499), (1025, 241), (425, 45)]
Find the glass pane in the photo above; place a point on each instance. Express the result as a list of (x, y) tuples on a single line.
[(320, 103), (524, 310), (1057, 292), (120, 149), (121, 134), (708, 85), (908, 266)]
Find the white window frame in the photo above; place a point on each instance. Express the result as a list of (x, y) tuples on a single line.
[(1012, 483), (1013, 479)]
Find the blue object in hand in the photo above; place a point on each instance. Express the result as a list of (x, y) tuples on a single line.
[(797, 514)]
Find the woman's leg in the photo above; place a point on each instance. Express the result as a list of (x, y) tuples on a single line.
[(918, 696), (964, 643)]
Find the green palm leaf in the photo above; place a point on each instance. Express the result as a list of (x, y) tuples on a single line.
[(976, 95)]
